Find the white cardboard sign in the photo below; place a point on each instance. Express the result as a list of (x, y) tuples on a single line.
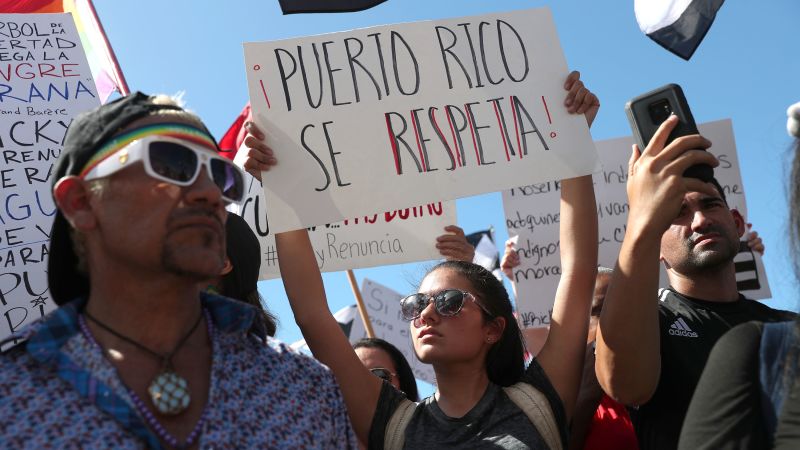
[(532, 214), (44, 83), (392, 237), (380, 118)]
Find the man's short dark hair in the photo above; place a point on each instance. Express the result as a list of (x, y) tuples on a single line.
[(720, 189)]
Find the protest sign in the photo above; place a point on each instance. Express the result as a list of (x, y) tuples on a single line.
[(392, 237), (381, 118), (532, 214), (44, 81)]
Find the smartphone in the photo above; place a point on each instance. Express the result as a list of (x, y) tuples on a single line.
[(647, 111)]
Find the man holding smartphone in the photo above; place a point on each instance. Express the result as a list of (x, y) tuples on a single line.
[(652, 344)]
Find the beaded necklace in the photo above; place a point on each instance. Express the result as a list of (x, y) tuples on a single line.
[(140, 406)]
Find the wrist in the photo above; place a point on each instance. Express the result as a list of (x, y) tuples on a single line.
[(642, 234)]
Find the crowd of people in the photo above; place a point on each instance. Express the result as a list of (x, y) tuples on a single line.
[(183, 356)]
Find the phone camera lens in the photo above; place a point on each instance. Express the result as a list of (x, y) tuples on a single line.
[(660, 110)]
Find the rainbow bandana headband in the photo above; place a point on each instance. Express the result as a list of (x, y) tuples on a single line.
[(172, 130)]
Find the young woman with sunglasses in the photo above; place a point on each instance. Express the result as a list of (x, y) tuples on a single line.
[(462, 325)]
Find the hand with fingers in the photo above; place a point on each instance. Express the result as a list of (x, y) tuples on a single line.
[(580, 100), (656, 185), (259, 156), (754, 241), (454, 246), (510, 259)]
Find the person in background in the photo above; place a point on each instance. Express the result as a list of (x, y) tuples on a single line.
[(386, 362), (239, 278), (748, 395), (652, 344), (599, 423)]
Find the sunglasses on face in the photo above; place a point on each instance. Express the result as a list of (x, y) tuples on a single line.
[(383, 374), (175, 161), (447, 303)]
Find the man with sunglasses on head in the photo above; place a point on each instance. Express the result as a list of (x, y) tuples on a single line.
[(136, 356), (652, 345)]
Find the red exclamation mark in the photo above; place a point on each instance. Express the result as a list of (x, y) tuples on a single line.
[(549, 120)]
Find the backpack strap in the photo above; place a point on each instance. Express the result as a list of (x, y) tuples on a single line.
[(776, 340), (535, 405), (395, 437)]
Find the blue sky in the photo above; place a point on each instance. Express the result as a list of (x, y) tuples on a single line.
[(746, 69)]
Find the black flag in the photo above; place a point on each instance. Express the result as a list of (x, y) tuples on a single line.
[(677, 25), (323, 6), (486, 253)]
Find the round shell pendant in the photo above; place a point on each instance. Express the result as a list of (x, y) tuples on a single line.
[(170, 393)]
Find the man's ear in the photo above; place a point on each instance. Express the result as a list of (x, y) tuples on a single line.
[(737, 217), (72, 196), (228, 267)]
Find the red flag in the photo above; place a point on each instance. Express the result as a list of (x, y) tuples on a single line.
[(233, 138), (31, 6)]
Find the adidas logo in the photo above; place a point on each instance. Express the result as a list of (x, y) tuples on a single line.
[(680, 328)]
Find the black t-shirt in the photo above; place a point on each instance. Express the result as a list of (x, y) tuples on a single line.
[(494, 423), (689, 329), (726, 411)]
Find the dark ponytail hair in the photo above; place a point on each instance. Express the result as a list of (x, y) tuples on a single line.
[(404, 373), (505, 361)]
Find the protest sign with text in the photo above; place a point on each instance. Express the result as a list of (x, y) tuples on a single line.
[(381, 118), (393, 237), (44, 81), (532, 214)]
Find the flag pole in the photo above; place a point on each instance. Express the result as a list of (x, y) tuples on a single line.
[(120, 78), (362, 309)]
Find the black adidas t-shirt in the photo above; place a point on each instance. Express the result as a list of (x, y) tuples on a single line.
[(689, 329)]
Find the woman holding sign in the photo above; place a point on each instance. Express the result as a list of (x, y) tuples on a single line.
[(462, 324)]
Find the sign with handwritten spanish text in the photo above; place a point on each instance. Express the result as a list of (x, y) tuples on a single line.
[(532, 214), (385, 117), (392, 237), (44, 82)]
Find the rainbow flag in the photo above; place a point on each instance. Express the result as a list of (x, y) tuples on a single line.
[(107, 77)]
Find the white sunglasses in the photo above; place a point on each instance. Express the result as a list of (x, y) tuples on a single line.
[(176, 161)]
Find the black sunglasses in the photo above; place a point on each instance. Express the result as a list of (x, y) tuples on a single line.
[(383, 374), (447, 303)]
